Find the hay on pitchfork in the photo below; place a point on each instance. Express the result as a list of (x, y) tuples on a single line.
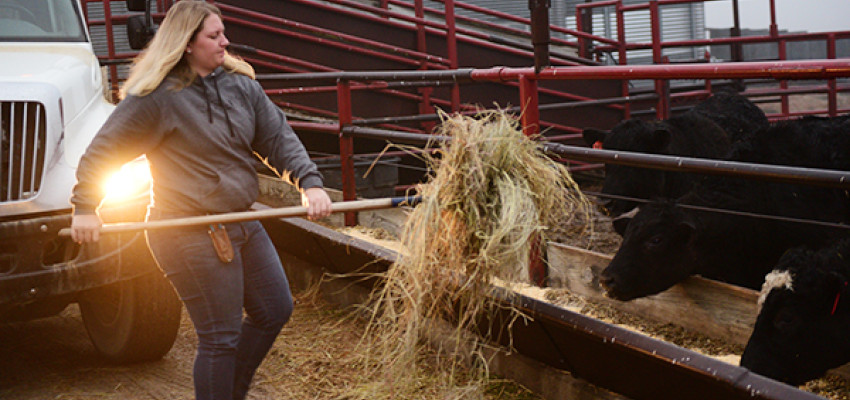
[(492, 193)]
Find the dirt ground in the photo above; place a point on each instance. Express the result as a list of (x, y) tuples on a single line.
[(52, 358)]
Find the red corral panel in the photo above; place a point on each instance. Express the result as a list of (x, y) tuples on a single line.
[(325, 38)]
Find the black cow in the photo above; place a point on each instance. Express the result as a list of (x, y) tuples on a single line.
[(736, 114), (705, 131), (803, 326), (667, 241)]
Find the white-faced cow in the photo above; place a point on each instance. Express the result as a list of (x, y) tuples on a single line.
[(667, 241), (705, 131), (803, 327)]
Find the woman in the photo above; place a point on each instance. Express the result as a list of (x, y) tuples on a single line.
[(199, 116)]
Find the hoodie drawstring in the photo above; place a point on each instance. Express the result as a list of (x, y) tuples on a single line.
[(213, 75), (223, 106), (207, 99)]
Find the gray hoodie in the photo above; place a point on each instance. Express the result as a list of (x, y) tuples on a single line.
[(200, 142)]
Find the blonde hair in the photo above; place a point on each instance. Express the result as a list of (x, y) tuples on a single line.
[(165, 53)]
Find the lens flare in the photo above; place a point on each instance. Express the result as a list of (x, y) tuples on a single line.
[(131, 181)]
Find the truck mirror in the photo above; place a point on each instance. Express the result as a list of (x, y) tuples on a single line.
[(136, 5), (139, 33)]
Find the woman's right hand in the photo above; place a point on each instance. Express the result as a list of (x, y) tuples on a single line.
[(85, 228), (317, 201)]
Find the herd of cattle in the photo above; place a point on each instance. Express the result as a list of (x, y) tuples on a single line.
[(788, 240)]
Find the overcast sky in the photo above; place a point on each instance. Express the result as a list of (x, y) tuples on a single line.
[(792, 15)]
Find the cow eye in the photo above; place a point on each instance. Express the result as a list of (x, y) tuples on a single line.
[(785, 319), (654, 242)]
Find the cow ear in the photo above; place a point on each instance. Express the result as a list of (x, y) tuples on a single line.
[(660, 138), (620, 225), (621, 222), (685, 230), (592, 136)]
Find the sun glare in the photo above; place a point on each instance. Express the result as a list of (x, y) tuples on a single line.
[(132, 180)]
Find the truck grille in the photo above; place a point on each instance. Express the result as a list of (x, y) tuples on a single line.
[(23, 132)]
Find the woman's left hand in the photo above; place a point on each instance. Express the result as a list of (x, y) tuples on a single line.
[(317, 202)]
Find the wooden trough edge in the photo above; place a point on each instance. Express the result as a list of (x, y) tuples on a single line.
[(557, 353), (701, 305), (713, 308)]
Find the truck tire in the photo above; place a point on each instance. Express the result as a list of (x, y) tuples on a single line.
[(134, 320)]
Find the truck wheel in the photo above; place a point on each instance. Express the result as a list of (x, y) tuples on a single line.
[(134, 320)]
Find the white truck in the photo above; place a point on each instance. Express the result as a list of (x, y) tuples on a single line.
[(51, 105)]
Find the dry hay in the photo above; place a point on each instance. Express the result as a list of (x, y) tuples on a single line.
[(316, 357), (831, 387), (492, 194), (663, 331)]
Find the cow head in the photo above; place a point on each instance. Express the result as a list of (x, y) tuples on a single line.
[(656, 253), (594, 137), (640, 183), (802, 328)]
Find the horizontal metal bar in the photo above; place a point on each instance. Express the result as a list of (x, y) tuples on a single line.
[(458, 75), (778, 173), (544, 107), (393, 136), (810, 69), (600, 102), (321, 32), (315, 127)]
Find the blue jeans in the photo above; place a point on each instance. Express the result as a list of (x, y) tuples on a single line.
[(230, 347)]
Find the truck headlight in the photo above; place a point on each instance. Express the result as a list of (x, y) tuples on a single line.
[(132, 181)]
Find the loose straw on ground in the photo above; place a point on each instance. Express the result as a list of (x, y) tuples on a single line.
[(491, 195)]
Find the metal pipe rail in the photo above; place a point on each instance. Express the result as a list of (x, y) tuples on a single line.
[(461, 34), (503, 28), (787, 70), (527, 78), (776, 173), (515, 109), (456, 75), (391, 79), (340, 39), (813, 69), (657, 46)]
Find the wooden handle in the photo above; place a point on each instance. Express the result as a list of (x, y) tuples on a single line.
[(284, 212)]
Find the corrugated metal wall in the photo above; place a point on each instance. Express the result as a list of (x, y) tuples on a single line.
[(805, 50), (98, 32), (678, 22)]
